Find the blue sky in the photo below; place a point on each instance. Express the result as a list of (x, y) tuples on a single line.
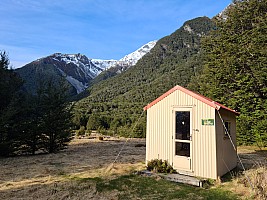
[(104, 29)]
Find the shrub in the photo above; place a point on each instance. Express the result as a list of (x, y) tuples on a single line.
[(159, 166), (81, 131), (88, 133)]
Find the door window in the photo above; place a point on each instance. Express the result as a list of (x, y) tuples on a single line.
[(182, 149), (182, 133), (182, 125)]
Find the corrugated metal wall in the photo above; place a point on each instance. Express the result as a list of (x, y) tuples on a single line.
[(226, 153), (160, 129)]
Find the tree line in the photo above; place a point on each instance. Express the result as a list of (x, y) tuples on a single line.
[(119, 100), (224, 59), (235, 67), (30, 124)]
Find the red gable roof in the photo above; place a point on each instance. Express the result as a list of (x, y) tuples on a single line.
[(202, 98)]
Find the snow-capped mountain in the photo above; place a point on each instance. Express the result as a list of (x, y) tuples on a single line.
[(127, 61), (77, 69), (118, 66), (132, 58)]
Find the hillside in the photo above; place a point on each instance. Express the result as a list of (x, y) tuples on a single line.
[(77, 71), (119, 100)]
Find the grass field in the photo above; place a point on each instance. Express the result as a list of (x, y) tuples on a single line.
[(84, 171)]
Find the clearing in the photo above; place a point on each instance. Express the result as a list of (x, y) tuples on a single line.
[(84, 171)]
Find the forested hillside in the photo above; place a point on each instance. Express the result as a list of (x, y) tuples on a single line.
[(227, 64), (118, 101), (235, 67)]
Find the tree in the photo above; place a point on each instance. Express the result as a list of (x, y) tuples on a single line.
[(10, 100), (30, 123), (94, 122), (55, 123), (235, 71)]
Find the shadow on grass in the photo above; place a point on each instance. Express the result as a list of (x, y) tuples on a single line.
[(139, 187), (116, 187)]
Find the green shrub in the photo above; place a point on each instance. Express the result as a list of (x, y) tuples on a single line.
[(88, 133), (81, 131), (159, 166)]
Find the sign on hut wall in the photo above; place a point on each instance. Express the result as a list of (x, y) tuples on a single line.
[(208, 122)]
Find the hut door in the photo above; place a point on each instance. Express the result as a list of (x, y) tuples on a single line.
[(182, 139)]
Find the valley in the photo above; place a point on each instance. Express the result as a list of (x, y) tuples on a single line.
[(79, 171)]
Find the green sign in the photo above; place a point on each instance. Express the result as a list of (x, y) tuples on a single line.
[(208, 122)]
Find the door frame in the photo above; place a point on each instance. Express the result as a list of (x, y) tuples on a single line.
[(174, 110)]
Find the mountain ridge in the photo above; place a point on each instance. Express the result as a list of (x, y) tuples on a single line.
[(77, 69), (118, 101)]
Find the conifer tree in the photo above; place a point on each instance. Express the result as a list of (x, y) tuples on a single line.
[(55, 124), (10, 100), (235, 70)]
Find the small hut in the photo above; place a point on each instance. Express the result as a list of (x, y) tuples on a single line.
[(195, 134)]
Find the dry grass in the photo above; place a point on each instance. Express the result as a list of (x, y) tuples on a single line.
[(61, 175), (43, 176), (252, 183)]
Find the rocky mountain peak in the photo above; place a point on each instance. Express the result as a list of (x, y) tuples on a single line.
[(79, 70)]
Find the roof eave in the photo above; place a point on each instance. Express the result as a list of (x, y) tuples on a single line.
[(199, 97)]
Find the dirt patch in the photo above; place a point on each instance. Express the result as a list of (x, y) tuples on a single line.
[(252, 156)]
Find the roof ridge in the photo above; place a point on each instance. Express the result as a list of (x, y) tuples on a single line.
[(200, 97)]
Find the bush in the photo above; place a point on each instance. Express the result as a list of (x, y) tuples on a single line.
[(81, 131), (88, 133), (160, 166)]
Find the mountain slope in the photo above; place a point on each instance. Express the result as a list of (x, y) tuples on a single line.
[(132, 58), (75, 69), (173, 60), (125, 63), (164, 66)]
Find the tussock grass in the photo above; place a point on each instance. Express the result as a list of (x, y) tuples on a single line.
[(258, 180), (251, 184)]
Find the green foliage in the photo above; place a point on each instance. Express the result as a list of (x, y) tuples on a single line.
[(56, 117), (31, 123), (159, 166), (235, 72), (81, 131), (10, 102), (94, 122)]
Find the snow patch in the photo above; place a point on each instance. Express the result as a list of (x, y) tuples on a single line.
[(132, 58), (79, 70)]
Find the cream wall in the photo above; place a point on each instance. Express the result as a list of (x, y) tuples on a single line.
[(226, 153), (160, 129)]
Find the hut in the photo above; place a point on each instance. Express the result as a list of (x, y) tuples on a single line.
[(195, 134)]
